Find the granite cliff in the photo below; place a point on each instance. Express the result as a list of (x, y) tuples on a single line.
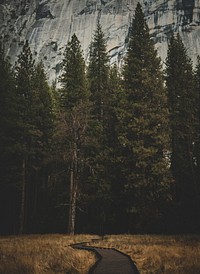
[(49, 24)]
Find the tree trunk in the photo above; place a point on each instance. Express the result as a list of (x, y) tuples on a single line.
[(35, 199), (72, 204), (73, 191), (23, 197)]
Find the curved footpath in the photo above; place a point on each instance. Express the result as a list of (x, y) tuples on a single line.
[(110, 261)]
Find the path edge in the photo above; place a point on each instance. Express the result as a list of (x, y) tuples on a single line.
[(133, 263), (83, 246)]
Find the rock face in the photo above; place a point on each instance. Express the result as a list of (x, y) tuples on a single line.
[(49, 24)]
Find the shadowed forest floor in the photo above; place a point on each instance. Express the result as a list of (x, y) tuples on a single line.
[(35, 254)]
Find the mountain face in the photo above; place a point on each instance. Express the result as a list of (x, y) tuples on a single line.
[(49, 24)]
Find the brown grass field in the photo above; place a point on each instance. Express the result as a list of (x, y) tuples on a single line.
[(38, 254), (153, 254)]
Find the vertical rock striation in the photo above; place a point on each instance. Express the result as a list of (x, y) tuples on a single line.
[(49, 24)]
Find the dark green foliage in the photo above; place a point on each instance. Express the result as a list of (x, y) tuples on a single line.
[(96, 155), (42, 108), (180, 85), (34, 126), (98, 73), (98, 78), (74, 87), (24, 70), (7, 97), (114, 151), (196, 151), (144, 131), (41, 135), (8, 160), (182, 106), (197, 139), (73, 122)]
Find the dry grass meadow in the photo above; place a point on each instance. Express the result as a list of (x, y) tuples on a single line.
[(44, 254), (154, 254), (40, 254)]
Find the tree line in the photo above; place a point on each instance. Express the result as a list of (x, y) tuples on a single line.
[(110, 151)]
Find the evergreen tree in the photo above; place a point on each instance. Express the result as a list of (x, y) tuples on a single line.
[(144, 132), (41, 135), (197, 140), (114, 96), (6, 101), (24, 73), (98, 74), (98, 78), (73, 78), (181, 97), (113, 153), (8, 186), (34, 126), (73, 121)]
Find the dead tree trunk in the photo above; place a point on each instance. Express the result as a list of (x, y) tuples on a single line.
[(75, 125)]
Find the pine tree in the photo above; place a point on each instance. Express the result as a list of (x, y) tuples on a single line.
[(181, 97), (24, 69), (41, 135), (6, 101), (197, 140), (98, 73), (73, 121), (113, 152), (8, 174), (98, 78), (144, 132), (73, 77), (114, 96), (42, 107)]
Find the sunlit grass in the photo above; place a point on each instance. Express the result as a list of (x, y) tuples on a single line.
[(44, 254), (159, 254), (40, 254)]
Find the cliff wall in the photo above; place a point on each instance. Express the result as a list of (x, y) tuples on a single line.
[(49, 24)]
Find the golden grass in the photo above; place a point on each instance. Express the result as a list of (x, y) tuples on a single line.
[(38, 254), (159, 254)]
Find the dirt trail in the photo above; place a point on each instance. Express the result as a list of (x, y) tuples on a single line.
[(110, 261)]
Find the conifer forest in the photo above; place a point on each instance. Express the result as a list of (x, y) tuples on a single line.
[(105, 149)]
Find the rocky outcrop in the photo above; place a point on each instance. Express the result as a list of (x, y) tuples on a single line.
[(49, 24)]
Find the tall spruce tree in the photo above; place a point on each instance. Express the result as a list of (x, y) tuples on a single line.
[(182, 106), (113, 153), (24, 69), (98, 78), (34, 129), (98, 73), (41, 135), (6, 101), (197, 140), (144, 131), (73, 122), (8, 161)]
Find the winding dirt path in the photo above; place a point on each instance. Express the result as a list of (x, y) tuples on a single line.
[(110, 261)]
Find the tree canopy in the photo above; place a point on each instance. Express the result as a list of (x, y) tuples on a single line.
[(110, 149)]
